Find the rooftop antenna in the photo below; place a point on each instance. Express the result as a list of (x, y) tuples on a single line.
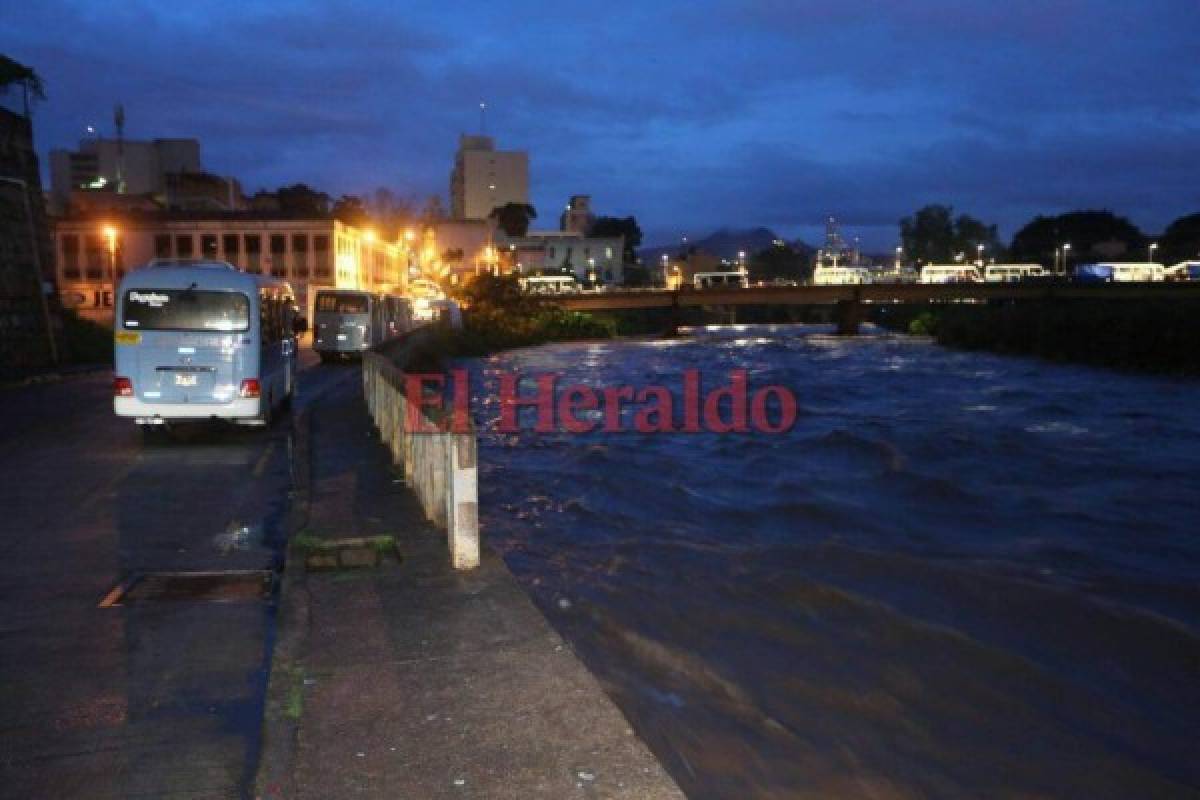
[(119, 121), (483, 119)]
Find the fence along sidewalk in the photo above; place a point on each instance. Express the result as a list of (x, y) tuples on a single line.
[(439, 466)]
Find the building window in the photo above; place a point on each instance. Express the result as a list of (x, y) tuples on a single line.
[(162, 245), (608, 253), (96, 257), (321, 255), (299, 243), (183, 246), (253, 252), (551, 252), (230, 244), (70, 251), (278, 248), (208, 245)]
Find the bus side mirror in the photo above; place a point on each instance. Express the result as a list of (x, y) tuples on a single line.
[(299, 325)]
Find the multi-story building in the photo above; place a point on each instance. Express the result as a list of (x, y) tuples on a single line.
[(485, 178), (120, 174), (591, 260), (95, 251), (142, 167)]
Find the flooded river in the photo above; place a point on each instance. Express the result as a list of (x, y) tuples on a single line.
[(958, 575)]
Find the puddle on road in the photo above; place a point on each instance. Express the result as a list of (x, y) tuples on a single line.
[(201, 587), (239, 537)]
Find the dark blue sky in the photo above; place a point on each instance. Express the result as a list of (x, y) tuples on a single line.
[(688, 114)]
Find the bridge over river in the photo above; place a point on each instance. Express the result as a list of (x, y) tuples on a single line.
[(850, 299)]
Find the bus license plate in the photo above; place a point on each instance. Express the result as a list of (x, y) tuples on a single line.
[(186, 379)]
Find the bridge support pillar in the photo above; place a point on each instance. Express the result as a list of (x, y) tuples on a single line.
[(673, 318), (848, 315)]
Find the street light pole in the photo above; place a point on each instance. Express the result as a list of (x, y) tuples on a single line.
[(1153, 247), (37, 264), (1066, 250)]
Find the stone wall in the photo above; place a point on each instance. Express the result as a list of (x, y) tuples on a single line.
[(24, 248)]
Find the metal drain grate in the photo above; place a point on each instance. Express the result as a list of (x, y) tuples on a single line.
[(233, 586)]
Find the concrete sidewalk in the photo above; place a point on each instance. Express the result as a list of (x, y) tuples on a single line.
[(413, 681)]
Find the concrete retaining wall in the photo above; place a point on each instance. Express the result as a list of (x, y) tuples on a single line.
[(440, 466)]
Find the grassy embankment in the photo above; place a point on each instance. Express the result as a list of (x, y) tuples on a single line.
[(1150, 336)]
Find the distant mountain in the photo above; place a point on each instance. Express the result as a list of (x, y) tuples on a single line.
[(724, 243)]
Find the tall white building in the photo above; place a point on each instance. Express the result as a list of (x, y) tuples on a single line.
[(485, 178)]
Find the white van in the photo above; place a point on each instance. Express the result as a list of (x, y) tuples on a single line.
[(950, 273), (1012, 273), (717, 280), (203, 341)]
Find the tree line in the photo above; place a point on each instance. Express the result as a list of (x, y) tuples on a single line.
[(934, 235)]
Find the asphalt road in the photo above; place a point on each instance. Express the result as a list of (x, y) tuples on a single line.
[(160, 696)]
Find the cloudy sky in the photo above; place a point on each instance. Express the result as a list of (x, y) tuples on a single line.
[(689, 114)]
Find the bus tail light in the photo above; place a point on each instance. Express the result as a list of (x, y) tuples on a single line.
[(250, 388), (122, 387)]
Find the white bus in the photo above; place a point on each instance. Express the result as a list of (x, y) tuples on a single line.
[(716, 280), (1012, 273), (825, 275), (203, 341), (347, 322), (1183, 271), (950, 273), (550, 284)]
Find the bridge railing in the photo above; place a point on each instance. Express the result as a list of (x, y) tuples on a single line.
[(439, 465)]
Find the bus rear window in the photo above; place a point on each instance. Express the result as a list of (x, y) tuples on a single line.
[(342, 303), (185, 310)]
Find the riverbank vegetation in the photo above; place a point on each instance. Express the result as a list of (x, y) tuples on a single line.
[(499, 315), (1147, 336)]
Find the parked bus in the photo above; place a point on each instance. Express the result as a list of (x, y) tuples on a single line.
[(348, 321), (950, 273), (1013, 273), (549, 284), (203, 341), (714, 280), (1120, 272), (1183, 271), (825, 275)]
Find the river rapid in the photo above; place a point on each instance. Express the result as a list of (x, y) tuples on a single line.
[(957, 575)]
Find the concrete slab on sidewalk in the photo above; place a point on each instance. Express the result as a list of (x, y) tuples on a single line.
[(413, 680)]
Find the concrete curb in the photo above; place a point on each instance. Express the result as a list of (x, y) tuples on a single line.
[(275, 776), (54, 376)]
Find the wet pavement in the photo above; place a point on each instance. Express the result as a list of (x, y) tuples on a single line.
[(161, 694)]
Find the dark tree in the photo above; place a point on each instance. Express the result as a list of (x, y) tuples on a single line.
[(13, 73), (433, 210), (1181, 240), (351, 210), (620, 226), (1093, 235), (514, 218), (933, 235), (636, 276), (300, 200), (780, 261)]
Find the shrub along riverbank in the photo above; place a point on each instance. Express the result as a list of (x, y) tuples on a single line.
[(1149, 335), (499, 316)]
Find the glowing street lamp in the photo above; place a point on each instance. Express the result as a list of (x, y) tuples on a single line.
[(1066, 250), (1152, 248), (979, 255), (899, 257), (110, 235)]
